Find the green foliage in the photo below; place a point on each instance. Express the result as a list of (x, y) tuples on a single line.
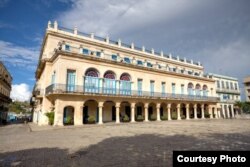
[(243, 106), (19, 107), (164, 117), (139, 118), (50, 116), (69, 120), (183, 117), (125, 118), (207, 115), (91, 119), (174, 115), (152, 117)]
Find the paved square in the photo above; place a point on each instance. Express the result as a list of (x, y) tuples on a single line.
[(137, 144)]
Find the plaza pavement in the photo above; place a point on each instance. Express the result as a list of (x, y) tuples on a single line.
[(127, 144)]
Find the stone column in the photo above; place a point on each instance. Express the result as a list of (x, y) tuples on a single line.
[(169, 109), (58, 119), (228, 113), (187, 111), (100, 105), (79, 113), (132, 112), (223, 111), (232, 110), (158, 105), (216, 113), (202, 112), (195, 111), (146, 112), (117, 107), (210, 111), (178, 112)]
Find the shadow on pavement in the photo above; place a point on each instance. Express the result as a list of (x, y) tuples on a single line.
[(141, 150)]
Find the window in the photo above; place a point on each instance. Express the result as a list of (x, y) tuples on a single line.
[(163, 87), (91, 81), (173, 88), (235, 86), (149, 64), (182, 89), (125, 84), (98, 54), (152, 84), (218, 84), (71, 75), (85, 51), (190, 89), (139, 62), (139, 87), (174, 69), (114, 57), (222, 83), (227, 84), (109, 83), (127, 60), (231, 85), (190, 72), (53, 77), (67, 47)]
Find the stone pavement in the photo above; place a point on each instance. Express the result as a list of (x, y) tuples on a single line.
[(137, 144)]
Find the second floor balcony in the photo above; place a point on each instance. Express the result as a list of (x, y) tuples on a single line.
[(232, 91), (105, 91)]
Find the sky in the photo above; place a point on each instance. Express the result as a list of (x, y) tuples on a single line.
[(214, 32)]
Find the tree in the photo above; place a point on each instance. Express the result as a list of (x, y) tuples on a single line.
[(19, 107)]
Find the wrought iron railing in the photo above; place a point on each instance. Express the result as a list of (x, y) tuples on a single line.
[(64, 88)]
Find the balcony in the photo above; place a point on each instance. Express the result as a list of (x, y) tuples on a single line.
[(38, 92), (231, 91), (101, 91)]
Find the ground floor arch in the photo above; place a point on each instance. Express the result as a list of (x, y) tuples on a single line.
[(90, 111), (68, 115)]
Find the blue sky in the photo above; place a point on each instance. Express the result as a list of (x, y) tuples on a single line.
[(216, 33)]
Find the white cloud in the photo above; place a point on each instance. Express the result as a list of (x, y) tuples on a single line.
[(18, 56), (106, 16), (20, 92)]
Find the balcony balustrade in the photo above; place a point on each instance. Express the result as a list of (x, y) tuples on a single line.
[(81, 89), (228, 91)]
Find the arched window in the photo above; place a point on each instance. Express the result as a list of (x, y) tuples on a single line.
[(198, 90), (205, 90), (190, 89), (125, 84), (109, 75), (91, 81), (109, 83), (91, 73)]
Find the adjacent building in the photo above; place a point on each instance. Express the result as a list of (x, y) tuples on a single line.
[(82, 76), (5, 88), (227, 89), (247, 88)]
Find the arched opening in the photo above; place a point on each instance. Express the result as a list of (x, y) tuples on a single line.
[(183, 111), (190, 89), (92, 81), (68, 115), (198, 110), (225, 111), (90, 112), (139, 111), (163, 111), (173, 111), (125, 84), (198, 90), (152, 111), (109, 111), (109, 83), (125, 111), (205, 90)]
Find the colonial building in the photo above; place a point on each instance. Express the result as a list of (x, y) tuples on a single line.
[(247, 88), (84, 78), (227, 89), (5, 88)]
